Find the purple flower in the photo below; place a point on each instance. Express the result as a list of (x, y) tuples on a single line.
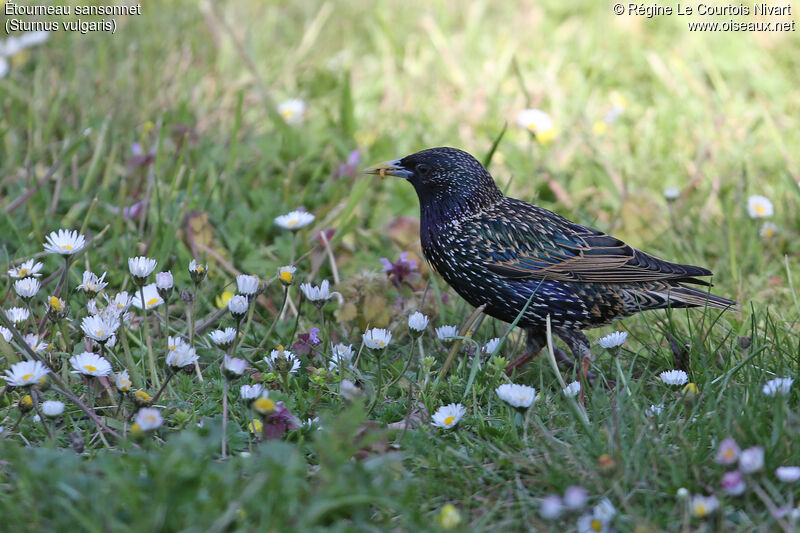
[(306, 341), (401, 271), (349, 168), (138, 156), (733, 483), (728, 452), (131, 212), (278, 422)]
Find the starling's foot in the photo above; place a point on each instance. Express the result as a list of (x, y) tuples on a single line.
[(534, 343)]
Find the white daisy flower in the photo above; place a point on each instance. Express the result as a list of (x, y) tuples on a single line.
[(6, 333), (183, 355), (702, 506), (223, 337), (98, 328), (341, 354), (521, 396), (447, 333), (286, 274), (64, 242), (295, 220), (26, 373), (575, 497), (605, 510), (121, 302), (551, 507), (377, 338), (52, 408), (654, 409), (491, 346), (672, 193), (18, 315), (281, 360), (91, 283), (778, 386), (141, 267), (3, 67), (536, 121), (151, 297), (751, 460), (26, 270), (149, 419), (197, 271), (165, 281), (173, 343), (251, 392), (728, 452), (247, 285), (292, 110), (674, 377), (90, 364), (316, 294), (448, 416), (123, 381), (32, 340), (768, 230), (234, 366), (237, 306), (613, 340), (417, 322), (788, 474), (27, 288), (759, 207), (572, 390)]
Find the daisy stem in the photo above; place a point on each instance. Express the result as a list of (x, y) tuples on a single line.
[(62, 283), (405, 367), (324, 333), (134, 369), (42, 419), (277, 317), (191, 332), (378, 386), (150, 357), (224, 418), (163, 386)]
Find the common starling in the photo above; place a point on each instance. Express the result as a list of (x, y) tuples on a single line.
[(503, 252)]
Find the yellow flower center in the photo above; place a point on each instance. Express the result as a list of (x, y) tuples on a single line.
[(66, 247), (150, 418), (291, 223), (136, 429), (382, 343), (151, 302), (142, 396), (286, 277), (264, 406), (27, 401), (124, 386), (728, 454), (596, 525), (90, 368), (449, 420), (55, 303), (256, 426), (760, 209), (287, 113), (200, 268), (769, 232), (100, 332), (223, 299), (700, 510), (22, 272), (26, 377)]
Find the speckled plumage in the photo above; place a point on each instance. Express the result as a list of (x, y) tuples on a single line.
[(501, 252)]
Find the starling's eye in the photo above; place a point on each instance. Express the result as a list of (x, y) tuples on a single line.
[(423, 170)]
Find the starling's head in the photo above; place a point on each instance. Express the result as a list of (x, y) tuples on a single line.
[(443, 176)]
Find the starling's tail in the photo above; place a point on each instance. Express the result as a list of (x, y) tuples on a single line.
[(675, 295), (684, 296)]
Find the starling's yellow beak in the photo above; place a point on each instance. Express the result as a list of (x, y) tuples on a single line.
[(389, 168)]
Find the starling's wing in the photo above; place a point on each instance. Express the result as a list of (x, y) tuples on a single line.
[(523, 241)]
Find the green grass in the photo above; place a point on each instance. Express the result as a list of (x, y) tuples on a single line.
[(711, 113)]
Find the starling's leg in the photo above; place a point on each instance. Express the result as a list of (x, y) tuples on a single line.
[(534, 342), (579, 345)]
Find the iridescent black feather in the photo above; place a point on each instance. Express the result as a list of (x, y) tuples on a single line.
[(501, 252)]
